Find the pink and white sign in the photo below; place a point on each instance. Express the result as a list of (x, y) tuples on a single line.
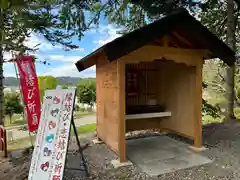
[(49, 155)]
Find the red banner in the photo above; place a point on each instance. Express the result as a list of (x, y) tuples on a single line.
[(30, 91)]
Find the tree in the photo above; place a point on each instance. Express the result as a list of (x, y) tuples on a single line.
[(77, 107), (231, 41), (133, 14), (222, 18), (12, 105), (86, 91), (45, 83), (65, 86), (56, 20)]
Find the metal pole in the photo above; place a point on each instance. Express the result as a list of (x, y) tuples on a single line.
[(21, 95), (80, 148), (1, 69)]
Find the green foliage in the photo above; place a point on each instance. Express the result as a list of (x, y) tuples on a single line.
[(12, 104), (87, 128), (65, 86), (207, 119), (56, 20), (208, 109), (86, 91), (163, 7), (45, 83), (214, 17), (133, 14), (77, 107)]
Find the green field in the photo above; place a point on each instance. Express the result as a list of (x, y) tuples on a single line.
[(25, 142), (17, 119), (80, 114)]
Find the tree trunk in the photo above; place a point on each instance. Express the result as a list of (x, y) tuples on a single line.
[(230, 71), (10, 118), (1, 70)]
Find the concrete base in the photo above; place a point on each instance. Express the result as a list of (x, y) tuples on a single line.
[(116, 163), (97, 141), (160, 155), (197, 149)]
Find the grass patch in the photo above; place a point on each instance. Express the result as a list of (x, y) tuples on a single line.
[(87, 128), (25, 142), (237, 112), (17, 120), (209, 120), (20, 143), (79, 114)]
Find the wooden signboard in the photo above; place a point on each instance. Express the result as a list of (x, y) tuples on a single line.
[(51, 146)]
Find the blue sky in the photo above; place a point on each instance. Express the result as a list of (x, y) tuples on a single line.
[(62, 63)]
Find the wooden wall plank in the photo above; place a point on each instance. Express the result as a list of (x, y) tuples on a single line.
[(107, 103), (150, 53), (121, 111), (198, 108), (148, 83), (179, 87), (174, 85)]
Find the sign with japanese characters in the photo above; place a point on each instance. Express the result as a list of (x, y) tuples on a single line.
[(30, 91), (48, 159)]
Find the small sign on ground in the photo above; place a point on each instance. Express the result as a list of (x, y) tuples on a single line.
[(48, 159)]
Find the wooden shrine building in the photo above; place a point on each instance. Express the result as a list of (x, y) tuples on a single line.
[(151, 78)]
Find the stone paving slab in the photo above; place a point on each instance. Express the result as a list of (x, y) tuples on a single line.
[(160, 155)]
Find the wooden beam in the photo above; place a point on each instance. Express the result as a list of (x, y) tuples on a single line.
[(150, 53), (182, 39), (198, 108), (174, 43), (165, 40), (92, 60), (121, 111)]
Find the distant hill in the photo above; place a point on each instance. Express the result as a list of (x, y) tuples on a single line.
[(67, 80), (12, 81)]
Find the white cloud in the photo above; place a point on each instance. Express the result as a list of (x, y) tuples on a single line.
[(35, 40), (78, 49), (43, 44), (7, 56), (107, 34), (71, 70), (64, 58)]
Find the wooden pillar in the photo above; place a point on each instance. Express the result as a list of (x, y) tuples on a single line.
[(165, 40), (198, 107), (98, 88), (121, 111)]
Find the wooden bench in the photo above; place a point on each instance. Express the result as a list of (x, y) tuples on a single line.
[(148, 115)]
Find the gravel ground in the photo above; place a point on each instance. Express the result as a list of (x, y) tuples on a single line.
[(223, 141)]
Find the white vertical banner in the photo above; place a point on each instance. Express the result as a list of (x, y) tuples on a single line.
[(49, 155)]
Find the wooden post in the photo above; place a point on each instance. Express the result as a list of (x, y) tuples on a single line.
[(121, 111), (3, 141), (198, 107), (165, 40)]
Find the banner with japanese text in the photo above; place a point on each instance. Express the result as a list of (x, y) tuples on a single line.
[(49, 155), (30, 91)]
